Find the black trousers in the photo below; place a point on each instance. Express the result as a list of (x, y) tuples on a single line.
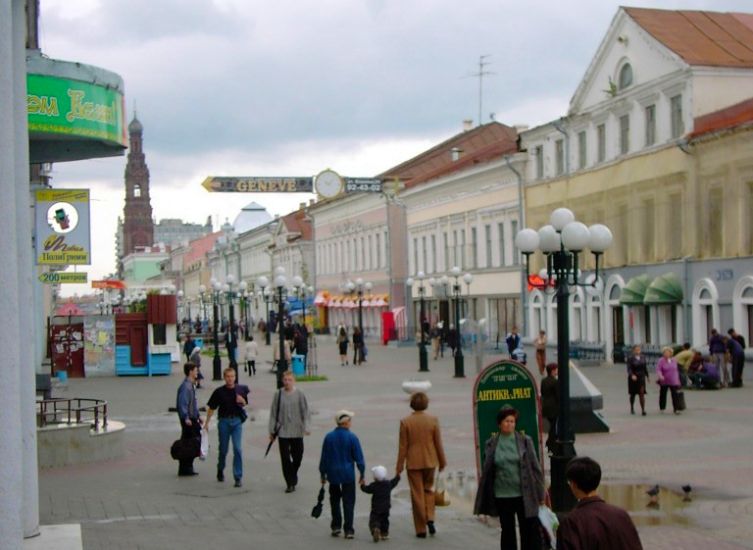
[(663, 397), (291, 454), (347, 493), (738, 364), (530, 535), (188, 432), (251, 366), (380, 520)]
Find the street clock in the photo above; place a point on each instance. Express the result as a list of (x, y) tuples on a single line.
[(328, 184)]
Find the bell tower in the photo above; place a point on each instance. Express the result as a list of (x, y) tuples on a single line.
[(138, 226)]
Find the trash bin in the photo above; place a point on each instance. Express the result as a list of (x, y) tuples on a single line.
[(298, 367), (62, 376)]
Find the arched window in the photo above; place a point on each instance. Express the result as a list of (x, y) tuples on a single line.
[(705, 307), (626, 76), (136, 191), (742, 308)]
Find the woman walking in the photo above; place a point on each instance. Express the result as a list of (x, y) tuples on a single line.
[(511, 484), (637, 377), (421, 453), (342, 344), (357, 346), (668, 378)]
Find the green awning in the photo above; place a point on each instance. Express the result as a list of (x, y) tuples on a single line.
[(664, 290), (635, 290)]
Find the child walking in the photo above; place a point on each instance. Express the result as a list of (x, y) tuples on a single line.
[(380, 489)]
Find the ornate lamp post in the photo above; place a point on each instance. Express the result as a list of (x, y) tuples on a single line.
[(231, 336), (202, 298), (263, 283), (280, 285), (243, 295), (216, 362), (423, 360), (458, 295), (357, 288), (561, 242)]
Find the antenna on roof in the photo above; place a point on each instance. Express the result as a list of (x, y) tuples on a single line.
[(482, 63)]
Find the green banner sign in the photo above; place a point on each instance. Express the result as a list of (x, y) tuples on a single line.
[(505, 383), (62, 106), (63, 277)]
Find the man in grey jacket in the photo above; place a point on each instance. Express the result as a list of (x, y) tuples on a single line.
[(188, 414), (289, 420)]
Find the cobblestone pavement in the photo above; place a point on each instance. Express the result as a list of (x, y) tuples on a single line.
[(139, 502)]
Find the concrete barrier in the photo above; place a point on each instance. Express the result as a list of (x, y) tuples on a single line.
[(65, 444)]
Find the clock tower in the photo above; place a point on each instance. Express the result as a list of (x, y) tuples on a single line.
[(138, 226)]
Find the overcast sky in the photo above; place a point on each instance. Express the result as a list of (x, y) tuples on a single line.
[(288, 88)]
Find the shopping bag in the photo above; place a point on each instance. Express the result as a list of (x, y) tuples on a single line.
[(441, 496), (549, 522), (680, 405), (204, 452)]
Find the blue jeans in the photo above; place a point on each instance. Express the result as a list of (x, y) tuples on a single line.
[(347, 493), (230, 428)]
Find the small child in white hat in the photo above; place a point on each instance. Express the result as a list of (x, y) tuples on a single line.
[(380, 490)]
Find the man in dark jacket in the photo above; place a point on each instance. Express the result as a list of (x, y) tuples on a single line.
[(513, 341), (737, 358), (188, 414), (716, 350), (550, 403), (594, 524)]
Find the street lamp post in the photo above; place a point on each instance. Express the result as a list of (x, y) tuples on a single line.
[(216, 362), (561, 241), (458, 295), (231, 336), (202, 299), (423, 360), (280, 282), (263, 283)]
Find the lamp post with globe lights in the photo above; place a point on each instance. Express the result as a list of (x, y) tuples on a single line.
[(561, 242), (216, 361), (231, 336), (266, 294), (457, 293), (423, 360), (280, 283)]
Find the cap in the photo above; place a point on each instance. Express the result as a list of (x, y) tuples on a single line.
[(342, 414), (380, 472)]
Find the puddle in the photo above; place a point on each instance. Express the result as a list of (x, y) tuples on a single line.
[(666, 509)]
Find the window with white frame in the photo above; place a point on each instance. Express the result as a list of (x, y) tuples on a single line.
[(501, 235), (415, 255), (582, 158), (601, 142), (474, 248), (538, 152), (378, 251), (626, 76), (514, 231), (559, 156), (650, 116), (624, 134), (433, 253), (676, 122), (488, 241), (446, 251), (371, 252), (424, 255)]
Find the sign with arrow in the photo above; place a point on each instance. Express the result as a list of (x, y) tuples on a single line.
[(253, 184)]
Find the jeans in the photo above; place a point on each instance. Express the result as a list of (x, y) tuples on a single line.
[(347, 493), (230, 427), (291, 454), (530, 536)]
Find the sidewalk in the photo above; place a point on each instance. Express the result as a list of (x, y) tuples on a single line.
[(139, 502)]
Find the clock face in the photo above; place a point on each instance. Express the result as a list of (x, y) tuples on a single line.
[(329, 184)]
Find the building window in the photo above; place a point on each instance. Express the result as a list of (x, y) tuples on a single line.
[(539, 153), (424, 253), (433, 253), (650, 112), (137, 191), (626, 76), (716, 215), (371, 252), (363, 253), (474, 248), (159, 334), (513, 232), (559, 156), (582, 159), (675, 222), (378, 250), (455, 248), (675, 107), (649, 236), (624, 134), (488, 238), (461, 249), (446, 251), (501, 231), (601, 140), (415, 256)]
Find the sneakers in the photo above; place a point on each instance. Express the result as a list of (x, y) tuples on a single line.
[(238, 483), (290, 489), (384, 536), (349, 535), (376, 534), (432, 529), (336, 532)]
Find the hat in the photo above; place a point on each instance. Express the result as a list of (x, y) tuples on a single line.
[(380, 472), (342, 414)]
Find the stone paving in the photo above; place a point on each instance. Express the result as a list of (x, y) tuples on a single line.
[(139, 502)]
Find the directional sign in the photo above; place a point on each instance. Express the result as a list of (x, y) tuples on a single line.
[(56, 277), (218, 184)]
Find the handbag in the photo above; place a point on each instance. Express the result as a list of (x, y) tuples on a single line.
[(441, 496), (185, 449), (316, 511)]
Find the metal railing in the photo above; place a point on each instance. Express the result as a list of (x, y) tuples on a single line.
[(588, 351), (63, 411)]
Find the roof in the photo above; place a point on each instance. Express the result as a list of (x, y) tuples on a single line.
[(250, 217), (198, 248), (297, 222), (734, 116), (704, 38), (481, 144)]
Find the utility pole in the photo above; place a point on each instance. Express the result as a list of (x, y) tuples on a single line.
[(482, 63)]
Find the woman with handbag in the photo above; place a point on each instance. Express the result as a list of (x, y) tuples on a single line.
[(421, 453), (637, 377), (511, 484), (668, 378)]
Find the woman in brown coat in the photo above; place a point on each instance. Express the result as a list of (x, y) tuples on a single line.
[(420, 452), (511, 484)]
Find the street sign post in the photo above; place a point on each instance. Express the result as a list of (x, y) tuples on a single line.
[(502, 383), (56, 277)]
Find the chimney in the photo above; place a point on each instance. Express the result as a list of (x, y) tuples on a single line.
[(312, 202), (467, 124), (301, 205)]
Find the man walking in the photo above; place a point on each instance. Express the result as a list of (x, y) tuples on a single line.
[(341, 451), (550, 403), (188, 414), (289, 420), (594, 524), (229, 401), (716, 350)]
